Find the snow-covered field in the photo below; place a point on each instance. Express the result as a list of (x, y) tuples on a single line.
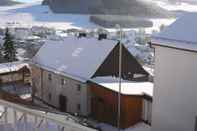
[(27, 15), (30, 14)]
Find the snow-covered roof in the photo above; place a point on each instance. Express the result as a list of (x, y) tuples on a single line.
[(180, 34), (78, 58), (127, 87), (12, 66), (150, 70)]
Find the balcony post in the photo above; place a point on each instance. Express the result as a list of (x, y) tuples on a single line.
[(15, 120), (25, 122), (35, 123), (5, 115), (46, 125), (58, 127)]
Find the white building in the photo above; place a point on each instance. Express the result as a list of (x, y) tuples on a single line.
[(175, 92), (60, 72)]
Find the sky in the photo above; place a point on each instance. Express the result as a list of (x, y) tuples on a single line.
[(27, 1)]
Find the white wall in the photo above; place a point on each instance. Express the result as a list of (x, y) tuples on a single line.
[(175, 91), (147, 111), (69, 89)]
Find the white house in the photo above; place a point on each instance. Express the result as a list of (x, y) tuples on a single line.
[(61, 69), (175, 92)]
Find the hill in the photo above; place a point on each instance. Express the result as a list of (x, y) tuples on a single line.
[(137, 8), (7, 2)]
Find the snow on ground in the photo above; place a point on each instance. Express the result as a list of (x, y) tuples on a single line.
[(30, 14), (137, 127), (20, 54)]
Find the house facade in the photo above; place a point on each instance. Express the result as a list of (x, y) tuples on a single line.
[(174, 105), (59, 91), (60, 78)]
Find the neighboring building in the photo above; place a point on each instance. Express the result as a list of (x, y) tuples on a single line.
[(174, 105), (136, 101), (61, 69), (14, 72)]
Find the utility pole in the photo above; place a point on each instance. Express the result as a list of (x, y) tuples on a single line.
[(120, 78)]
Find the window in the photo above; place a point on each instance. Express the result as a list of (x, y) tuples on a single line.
[(78, 107), (78, 87), (63, 81), (49, 77), (50, 96)]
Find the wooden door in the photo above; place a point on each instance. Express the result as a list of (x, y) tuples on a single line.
[(63, 103)]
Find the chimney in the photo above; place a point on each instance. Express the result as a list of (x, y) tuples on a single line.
[(102, 36), (82, 34)]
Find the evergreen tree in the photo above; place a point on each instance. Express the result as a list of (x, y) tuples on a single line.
[(1, 55), (9, 51)]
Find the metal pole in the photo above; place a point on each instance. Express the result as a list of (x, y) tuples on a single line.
[(15, 120), (120, 78), (6, 115), (25, 122), (35, 122), (46, 125)]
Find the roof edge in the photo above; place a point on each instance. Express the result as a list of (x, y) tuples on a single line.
[(175, 44), (76, 78)]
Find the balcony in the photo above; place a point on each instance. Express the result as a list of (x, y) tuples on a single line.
[(14, 117)]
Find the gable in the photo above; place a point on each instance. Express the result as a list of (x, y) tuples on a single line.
[(130, 66)]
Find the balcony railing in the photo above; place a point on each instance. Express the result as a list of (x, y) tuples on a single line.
[(14, 117)]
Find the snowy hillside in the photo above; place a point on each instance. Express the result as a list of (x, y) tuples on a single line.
[(27, 15), (7, 2)]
